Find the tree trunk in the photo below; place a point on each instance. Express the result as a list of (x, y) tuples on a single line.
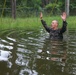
[(13, 3), (67, 7)]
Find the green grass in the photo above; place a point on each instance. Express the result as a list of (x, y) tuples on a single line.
[(33, 23), (19, 23)]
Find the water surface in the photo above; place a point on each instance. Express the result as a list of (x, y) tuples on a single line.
[(32, 53)]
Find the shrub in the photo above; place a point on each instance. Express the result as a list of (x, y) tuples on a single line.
[(54, 8)]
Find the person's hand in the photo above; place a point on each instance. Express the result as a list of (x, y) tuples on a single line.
[(41, 15), (63, 16)]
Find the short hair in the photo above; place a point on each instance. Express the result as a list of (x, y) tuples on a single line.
[(56, 21)]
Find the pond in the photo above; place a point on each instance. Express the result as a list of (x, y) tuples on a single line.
[(32, 53)]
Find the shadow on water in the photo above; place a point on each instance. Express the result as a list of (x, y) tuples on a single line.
[(31, 53)]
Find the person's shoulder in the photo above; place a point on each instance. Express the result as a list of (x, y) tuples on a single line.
[(42, 20), (58, 30), (65, 21)]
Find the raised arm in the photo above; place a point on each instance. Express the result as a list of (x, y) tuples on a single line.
[(63, 29), (63, 16), (44, 23)]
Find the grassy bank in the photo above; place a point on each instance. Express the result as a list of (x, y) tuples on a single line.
[(33, 23), (19, 23)]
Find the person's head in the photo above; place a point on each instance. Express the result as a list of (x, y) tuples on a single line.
[(54, 24)]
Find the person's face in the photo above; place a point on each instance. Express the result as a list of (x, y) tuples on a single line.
[(54, 24)]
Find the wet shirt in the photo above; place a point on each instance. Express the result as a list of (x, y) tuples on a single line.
[(55, 34)]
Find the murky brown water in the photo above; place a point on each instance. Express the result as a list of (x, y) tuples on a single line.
[(32, 53)]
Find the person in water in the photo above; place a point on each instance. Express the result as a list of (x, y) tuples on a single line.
[(54, 31)]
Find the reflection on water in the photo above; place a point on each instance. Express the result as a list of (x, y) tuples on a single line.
[(52, 57), (31, 53)]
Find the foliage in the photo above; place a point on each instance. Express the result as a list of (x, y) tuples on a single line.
[(27, 6), (73, 7), (54, 7)]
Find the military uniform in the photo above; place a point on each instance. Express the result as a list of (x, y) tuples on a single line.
[(55, 34)]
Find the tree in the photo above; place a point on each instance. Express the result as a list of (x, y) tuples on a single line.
[(13, 3), (67, 7)]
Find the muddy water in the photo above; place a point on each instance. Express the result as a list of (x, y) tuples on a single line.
[(32, 53)]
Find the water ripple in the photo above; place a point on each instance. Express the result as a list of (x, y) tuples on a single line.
[(31, 53)]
